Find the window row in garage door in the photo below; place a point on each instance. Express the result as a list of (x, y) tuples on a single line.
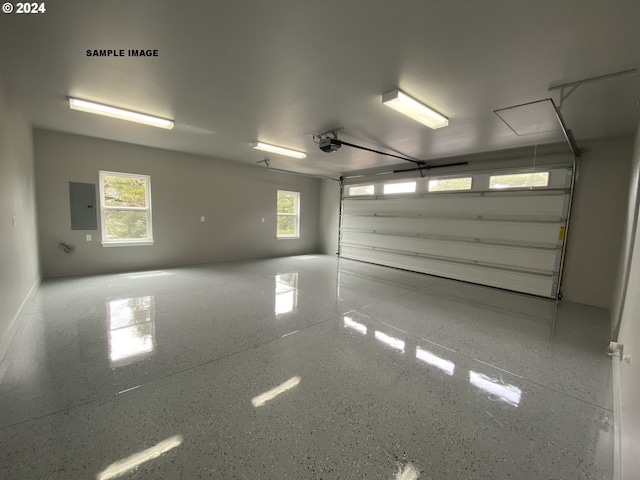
[(503, 229)]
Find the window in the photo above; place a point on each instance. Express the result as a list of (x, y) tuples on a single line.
[(361, 190), (288, 214), (520, 180), (125, 199), (449, 184), (407, 187)]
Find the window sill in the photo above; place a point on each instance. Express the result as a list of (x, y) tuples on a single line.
[(127, 244), (293, 237)]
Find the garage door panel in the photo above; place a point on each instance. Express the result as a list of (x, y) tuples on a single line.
[(533, 206), (505, 256), (541, 234), (541, 285)]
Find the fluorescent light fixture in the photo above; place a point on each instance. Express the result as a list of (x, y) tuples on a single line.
[(279, 150), (107, 111), (263, 398), (412, 108), (120, 467)]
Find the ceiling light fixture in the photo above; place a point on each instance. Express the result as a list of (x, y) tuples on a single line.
[(409, 106), (114, 112), (280, 150)]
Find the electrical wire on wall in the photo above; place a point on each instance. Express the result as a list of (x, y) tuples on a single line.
[(66, 248)]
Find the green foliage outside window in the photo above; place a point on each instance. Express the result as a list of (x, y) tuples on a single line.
[(520, 180), (286, 202), (124, 191), (286, 225), (125, 224), (287, 221), (450, 184), (129, 192)]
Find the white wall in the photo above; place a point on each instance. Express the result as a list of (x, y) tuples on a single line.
[(329, 216), (627, 398), (628, 239), (629, 373), (597, 220), (19, 269), (232, 197)]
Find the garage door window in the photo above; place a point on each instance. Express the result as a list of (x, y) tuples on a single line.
[(520, 180), (356, 190), (406, 187), (449, 184)]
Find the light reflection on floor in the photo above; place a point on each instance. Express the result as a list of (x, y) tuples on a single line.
[(131, 324), (303, 368), (132, 462)]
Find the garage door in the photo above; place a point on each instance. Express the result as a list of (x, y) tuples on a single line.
[(504, 229)]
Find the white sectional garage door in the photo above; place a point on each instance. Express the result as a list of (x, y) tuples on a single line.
[(510, 238)]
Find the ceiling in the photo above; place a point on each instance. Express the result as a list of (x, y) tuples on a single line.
[(233, 72)]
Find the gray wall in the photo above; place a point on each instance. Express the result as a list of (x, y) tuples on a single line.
[(233, 198), (597, 219), (19, 271), (329, 216)]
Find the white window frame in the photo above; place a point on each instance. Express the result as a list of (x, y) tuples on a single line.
[(103, 211), (295, 214)]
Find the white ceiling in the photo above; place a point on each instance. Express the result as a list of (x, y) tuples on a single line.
[(234, 72)]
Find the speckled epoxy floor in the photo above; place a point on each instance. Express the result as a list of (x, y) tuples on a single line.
[(303, 367)]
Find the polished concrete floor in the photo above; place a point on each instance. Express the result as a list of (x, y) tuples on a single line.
[(303, 367)]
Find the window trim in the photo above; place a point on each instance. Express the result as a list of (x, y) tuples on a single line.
[(296, 215), (103, 211)]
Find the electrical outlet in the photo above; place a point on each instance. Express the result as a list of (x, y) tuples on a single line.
[(262, 219), (88, 237), (202, 218)]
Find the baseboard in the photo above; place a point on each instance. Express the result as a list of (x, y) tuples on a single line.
[(15, 322), (617, 433)]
